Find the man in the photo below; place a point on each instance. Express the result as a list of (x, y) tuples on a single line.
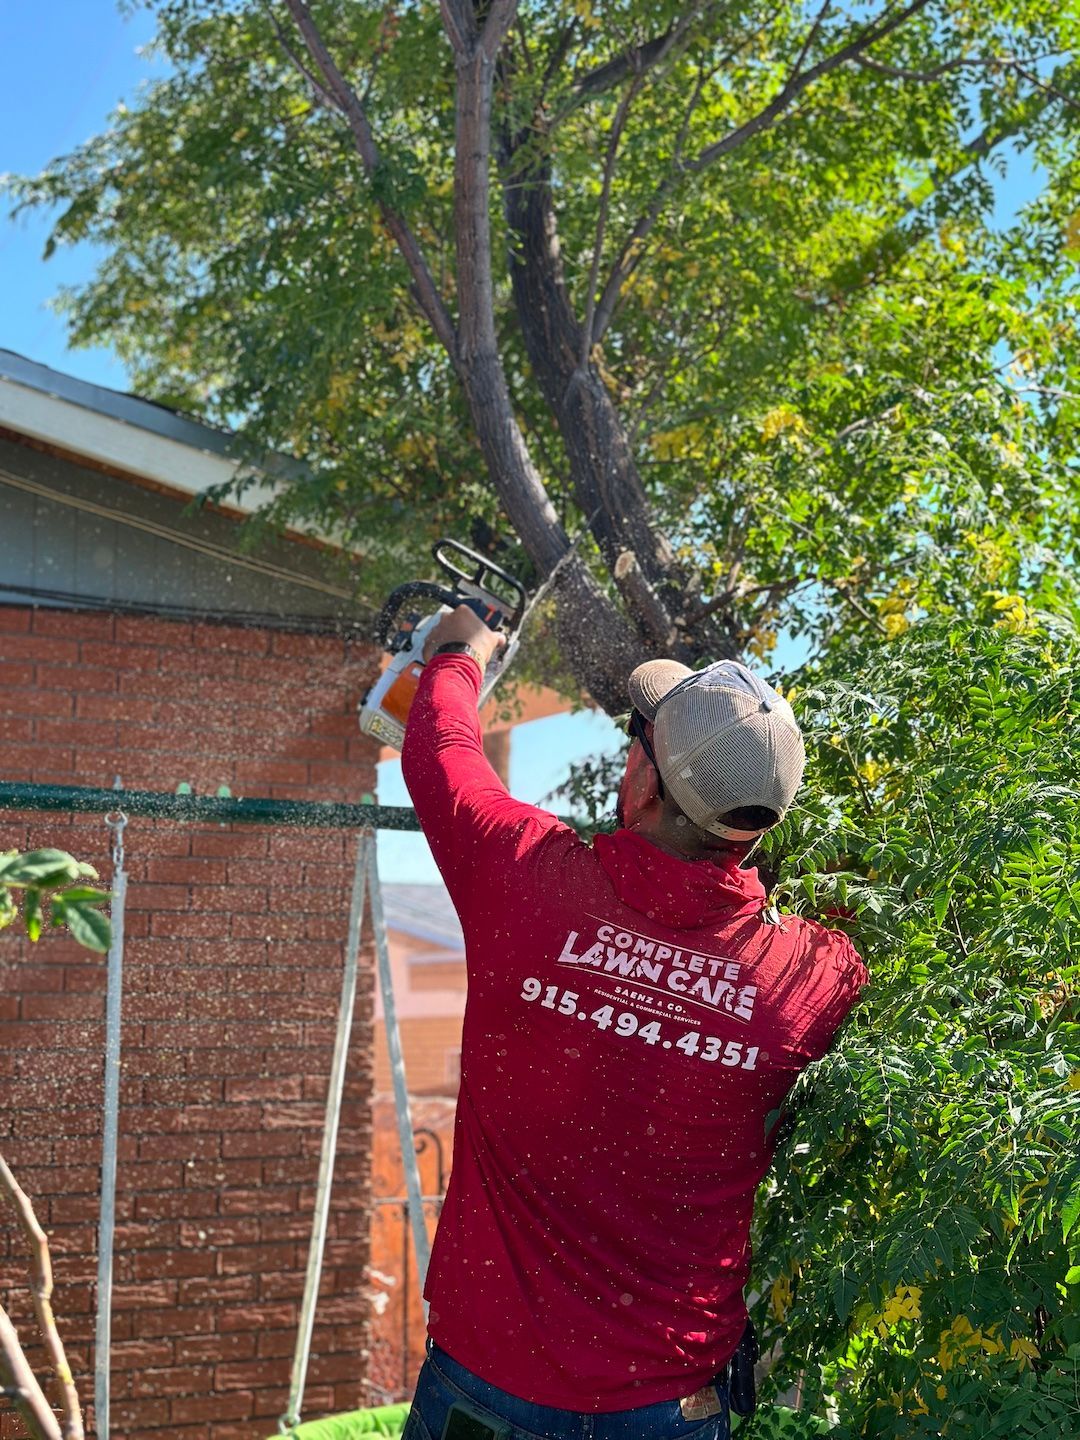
[(632, 1019)]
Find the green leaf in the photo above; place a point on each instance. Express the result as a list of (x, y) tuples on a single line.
[(1070, 1212), (88, 926), (82, 893), (39, 867), (32, 913)]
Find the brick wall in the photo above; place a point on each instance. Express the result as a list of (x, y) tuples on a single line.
[(232, 969), (398, 1326)]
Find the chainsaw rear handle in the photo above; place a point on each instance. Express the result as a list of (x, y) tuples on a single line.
[(481, 569)]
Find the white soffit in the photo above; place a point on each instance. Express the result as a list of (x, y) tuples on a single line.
[(120, 431)]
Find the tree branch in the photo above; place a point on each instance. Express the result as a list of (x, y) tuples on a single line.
[(459, 22), (765, 119), (635, 60), (345, 99), (41, 1289), (17, 1382), (602, 215), (496, 27)]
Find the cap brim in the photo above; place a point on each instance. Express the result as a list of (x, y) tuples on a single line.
[(649, 683)]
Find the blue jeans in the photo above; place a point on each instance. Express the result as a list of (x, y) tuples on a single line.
[(443, 1381)]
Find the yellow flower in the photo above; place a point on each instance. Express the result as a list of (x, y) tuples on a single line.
[(895, 624), (782, 418)]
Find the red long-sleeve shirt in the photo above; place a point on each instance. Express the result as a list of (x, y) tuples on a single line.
[(631, 1021)]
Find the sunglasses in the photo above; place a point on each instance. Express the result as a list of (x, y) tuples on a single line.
[(635, 728)]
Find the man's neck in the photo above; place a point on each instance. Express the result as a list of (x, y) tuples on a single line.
[(676, 836)]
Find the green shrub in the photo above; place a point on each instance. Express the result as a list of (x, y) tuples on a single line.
[(917, 1244)]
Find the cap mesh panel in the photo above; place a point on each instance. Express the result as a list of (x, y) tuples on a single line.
[(757, 760)]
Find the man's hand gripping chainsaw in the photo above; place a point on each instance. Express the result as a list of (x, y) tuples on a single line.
[(496, 596)]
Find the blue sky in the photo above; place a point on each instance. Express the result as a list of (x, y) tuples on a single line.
[(68, 63)]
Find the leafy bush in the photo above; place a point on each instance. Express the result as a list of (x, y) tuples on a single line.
[(52, 896), (917, 1242)]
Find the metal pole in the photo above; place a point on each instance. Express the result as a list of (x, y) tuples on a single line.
[(336, 1085), (401, 1090), (103, 1332)]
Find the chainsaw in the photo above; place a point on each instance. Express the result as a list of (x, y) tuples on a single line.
[(496, 596)]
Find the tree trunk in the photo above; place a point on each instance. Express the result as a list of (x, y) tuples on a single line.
[(606, 483), (599, 642)]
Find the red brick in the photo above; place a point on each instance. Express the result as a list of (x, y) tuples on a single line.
[(119, 657), (14, 617), (290, 1227), (39, 977), (149, 630), (261, 1202), (96, 733), (257, 1373), (231, 637), (212, 678), (179, 1204), (83, 980), (219, 1117), (218, 1291), (177, 1380), (13, 728), (15, 673), (174, 1320), (228, 899), (41, 647), (38, 761), (140, 1354), (92, 625), (260, 927), (257, 774), (258, 1317), (143, 1414), (172, 1263), (269, 1087), (63, 1007), (128, 708), (151, 1294), (260, 1144), (216, 1348), (173, 1097), (311, 845), (183, 925), (186, 871), (278, 1285), (86, 677), (213, 1234), (222, 1174), (230, 843), (175, 1147), (236, 1406)]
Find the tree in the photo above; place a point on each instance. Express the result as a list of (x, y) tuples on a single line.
[(697, 311)]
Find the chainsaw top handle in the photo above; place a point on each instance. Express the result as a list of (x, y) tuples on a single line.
[(386, 627), (481, 572)]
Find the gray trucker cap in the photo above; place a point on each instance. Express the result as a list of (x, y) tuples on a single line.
[(723, 740)]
